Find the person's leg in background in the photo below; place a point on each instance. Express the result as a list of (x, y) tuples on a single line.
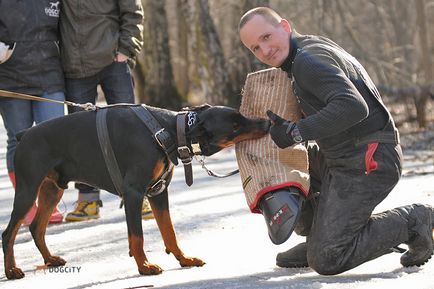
[(43, 111), (18, 115), (83, 90), (118, 86)]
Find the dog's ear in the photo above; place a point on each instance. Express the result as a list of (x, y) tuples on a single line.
[(198, 108)]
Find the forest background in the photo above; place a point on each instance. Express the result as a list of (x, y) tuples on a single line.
[(192, 53)]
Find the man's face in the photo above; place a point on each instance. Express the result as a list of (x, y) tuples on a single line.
[(270, 44)]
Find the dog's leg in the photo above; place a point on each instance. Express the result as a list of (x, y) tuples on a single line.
[(133, 210), (23, 201), (49, 195), (8, 240), (160, 208)]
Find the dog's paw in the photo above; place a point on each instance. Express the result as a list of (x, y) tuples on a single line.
[(191, 262), (150, 269), (54, 261), (14, 273)]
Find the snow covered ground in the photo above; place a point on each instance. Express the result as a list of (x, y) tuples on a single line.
[(213, 223)]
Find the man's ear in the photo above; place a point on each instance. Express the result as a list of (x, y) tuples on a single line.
[(285, 24)]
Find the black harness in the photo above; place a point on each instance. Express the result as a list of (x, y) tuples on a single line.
[(161, 136)]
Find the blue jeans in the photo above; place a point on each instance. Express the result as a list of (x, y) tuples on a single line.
[(19, 114), (117, 84)]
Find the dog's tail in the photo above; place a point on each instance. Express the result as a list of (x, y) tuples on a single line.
[(20, 134)]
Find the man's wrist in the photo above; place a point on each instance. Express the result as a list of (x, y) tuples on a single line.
[(295, 134)]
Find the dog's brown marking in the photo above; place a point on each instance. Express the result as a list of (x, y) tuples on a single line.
[(49, 195), (11, 270), (170, 241), (136, 251), (158, 169), (242, 137)]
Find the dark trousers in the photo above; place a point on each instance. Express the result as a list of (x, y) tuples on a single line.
[(341, 231), (117, 84)]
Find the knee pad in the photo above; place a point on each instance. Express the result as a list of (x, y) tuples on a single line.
[(281, 210)]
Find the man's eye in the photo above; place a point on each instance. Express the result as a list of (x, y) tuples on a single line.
[(255, 49), (267, 37)]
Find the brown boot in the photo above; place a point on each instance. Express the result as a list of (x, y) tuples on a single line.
[(295, 257)]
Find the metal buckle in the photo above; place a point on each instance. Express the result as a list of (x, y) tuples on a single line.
[(157, 188), (157, 139), (196, 148), (184, 151), (184, 155)]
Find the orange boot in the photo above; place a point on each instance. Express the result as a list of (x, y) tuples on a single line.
[(12, 178), (30, 215), (56, 216)]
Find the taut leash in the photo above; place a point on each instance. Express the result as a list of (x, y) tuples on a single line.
[(10, 94)]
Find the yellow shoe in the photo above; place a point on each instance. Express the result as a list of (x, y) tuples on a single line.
[(146, 210), (84, 211)]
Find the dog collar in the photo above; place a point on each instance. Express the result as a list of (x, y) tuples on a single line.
[(191, 119)]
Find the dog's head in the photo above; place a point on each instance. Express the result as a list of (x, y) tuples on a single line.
[(219, 127)]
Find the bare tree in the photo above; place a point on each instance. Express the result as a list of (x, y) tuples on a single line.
[(207, 66), (427, 63), (155, 84), (239, 60)]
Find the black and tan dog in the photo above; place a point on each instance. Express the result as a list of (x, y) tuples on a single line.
[(67, 149)]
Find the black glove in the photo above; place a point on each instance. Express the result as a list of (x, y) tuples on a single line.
[(281, 131)]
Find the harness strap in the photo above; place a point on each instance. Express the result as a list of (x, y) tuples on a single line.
[(161, 136), (183, 150), (107, 151)]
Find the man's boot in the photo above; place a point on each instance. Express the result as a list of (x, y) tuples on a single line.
[(420, 241), (295, 257)]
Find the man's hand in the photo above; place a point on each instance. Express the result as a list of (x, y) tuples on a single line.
[(281, 130), (120, 57), (5, 52)]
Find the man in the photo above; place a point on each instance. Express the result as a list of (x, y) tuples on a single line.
[(100, 41), (29, 64), (356, 160)]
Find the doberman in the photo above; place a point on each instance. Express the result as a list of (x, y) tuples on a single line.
[(66, 149)]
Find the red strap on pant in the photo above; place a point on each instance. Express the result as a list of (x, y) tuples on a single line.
[(370, 164)]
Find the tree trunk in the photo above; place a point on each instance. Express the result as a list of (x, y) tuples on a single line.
[(207, 72), (426, 62), (154, 77), (239, 60)]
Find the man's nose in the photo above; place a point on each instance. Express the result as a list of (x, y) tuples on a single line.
[(265, 49)]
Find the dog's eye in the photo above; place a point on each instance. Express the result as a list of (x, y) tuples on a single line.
[(236, 126)]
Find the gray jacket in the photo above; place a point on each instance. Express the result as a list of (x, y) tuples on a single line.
[(92, 32)]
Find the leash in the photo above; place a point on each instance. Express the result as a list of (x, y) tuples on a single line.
[(10, 94), (211, 173)]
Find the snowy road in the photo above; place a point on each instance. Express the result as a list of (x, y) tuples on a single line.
[(213, 223)]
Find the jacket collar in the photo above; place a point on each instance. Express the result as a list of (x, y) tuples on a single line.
[(293, 48)]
